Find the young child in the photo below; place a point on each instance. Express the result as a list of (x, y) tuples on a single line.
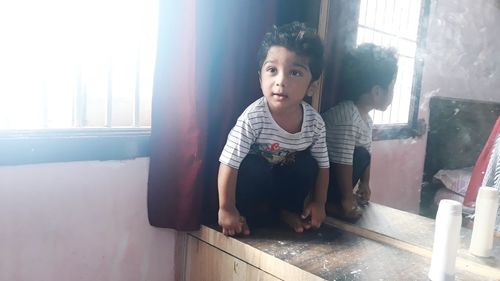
[(367, 78), (275, 155)]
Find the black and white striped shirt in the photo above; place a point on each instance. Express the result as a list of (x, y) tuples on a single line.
[(346, 129), (492, 175), (257, 132)]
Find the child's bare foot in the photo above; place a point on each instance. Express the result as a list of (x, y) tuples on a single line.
[(350, 215), (245, 230), (294, 221), (361, 200), (351, 209)]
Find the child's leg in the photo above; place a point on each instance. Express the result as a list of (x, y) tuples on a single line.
[(252, 187), (361, 160), (293, 182)]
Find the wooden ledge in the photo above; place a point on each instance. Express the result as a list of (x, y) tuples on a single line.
[(253, 256), (386, 244)]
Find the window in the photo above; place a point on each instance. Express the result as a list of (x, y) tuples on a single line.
[(76, 63), (76, 79), (395, 23)]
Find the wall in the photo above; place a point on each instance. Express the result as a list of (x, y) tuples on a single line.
[(462, 60), (80, 221)]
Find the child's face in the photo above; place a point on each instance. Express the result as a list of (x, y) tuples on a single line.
[(384, 99), (285, 78)]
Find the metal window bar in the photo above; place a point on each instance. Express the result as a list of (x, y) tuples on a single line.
[(137, 99), (363, 10), (386, 33), (80, 100), (79, 103), (409, 8), (398, 109), (108, 122), (45, 114)]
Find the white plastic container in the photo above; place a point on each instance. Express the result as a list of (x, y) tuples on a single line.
[(485, 215), (446, 241)]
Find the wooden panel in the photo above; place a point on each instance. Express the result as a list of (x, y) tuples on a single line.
[(260, 259), (180, 255), (326, 254), (207, 263)]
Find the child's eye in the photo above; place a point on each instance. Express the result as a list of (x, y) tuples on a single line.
[(271, 69), (295, 73)]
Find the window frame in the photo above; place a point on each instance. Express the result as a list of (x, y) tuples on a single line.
[(90, 47), (20, 147)]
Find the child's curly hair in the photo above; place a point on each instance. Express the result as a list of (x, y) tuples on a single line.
[(298, 38), (364, 67)]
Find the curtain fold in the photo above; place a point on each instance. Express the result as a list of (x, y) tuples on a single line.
[(206, 74), (173, 198)]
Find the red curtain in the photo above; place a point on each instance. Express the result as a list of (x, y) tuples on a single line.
[(206, 74), (481, 165)]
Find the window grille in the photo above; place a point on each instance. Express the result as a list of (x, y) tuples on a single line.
[(76, 64), (393, 23)]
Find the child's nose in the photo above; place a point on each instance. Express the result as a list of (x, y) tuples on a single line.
[(280, 80)]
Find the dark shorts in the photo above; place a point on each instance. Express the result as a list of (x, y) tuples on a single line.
[(263, 189), (361, 160)]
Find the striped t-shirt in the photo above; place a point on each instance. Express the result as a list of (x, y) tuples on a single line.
[(492, 174), (257, 132), (345, 130)]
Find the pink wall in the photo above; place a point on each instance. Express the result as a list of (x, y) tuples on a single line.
[(462, 60), (80, 221), (396, 173)]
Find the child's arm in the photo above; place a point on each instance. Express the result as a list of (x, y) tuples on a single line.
[(229, 217), (364, 186), (316, 207)]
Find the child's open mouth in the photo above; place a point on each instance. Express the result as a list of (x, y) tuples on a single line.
[(280, 96)]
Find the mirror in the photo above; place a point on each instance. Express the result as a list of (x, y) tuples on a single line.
[(449, 72)]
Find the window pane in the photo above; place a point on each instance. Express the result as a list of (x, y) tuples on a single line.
[(76, 63)]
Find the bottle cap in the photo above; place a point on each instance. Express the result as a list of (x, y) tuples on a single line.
[(487, 192), (451, 207)]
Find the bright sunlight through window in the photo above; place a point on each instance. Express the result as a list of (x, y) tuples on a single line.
[(393, 23), (76, 63)]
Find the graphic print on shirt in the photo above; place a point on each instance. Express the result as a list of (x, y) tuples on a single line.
[(273, 153)]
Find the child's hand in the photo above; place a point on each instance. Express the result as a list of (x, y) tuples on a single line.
[(232, 223), (363, 193), (316, 211)]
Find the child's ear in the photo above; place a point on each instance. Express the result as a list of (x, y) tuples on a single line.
[(258, 73), (313, 88), (377, 91)]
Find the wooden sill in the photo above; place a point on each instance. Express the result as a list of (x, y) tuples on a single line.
[(386, 244), (47, 146)]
